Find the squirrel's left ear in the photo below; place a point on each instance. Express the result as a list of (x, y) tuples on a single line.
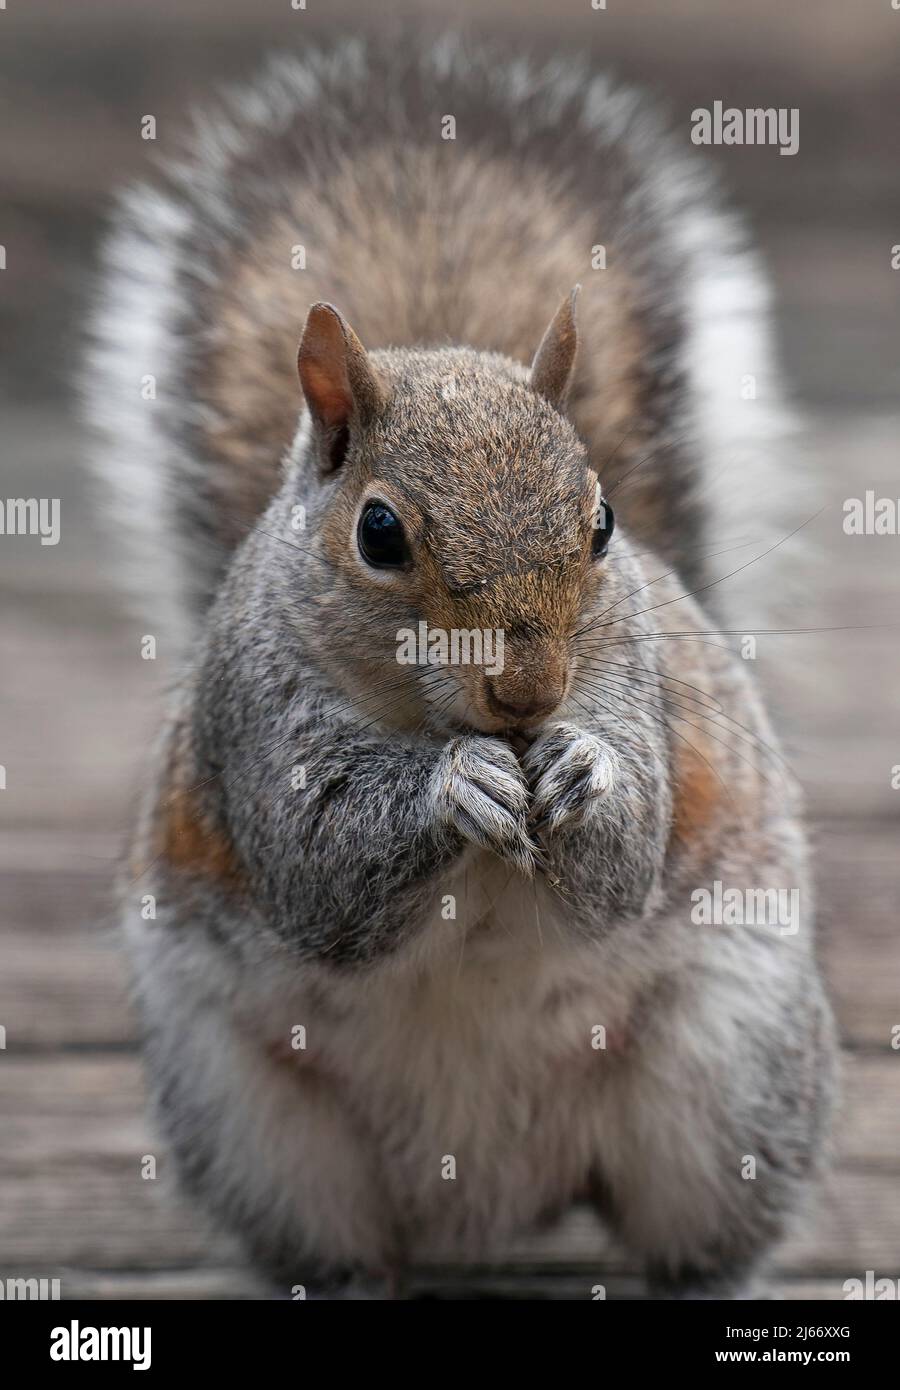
[(339, 382), (551, 370)]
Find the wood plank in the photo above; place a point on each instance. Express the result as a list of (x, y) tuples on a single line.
[(856, 867), (72, 992), (64, 977), (868, 1123)]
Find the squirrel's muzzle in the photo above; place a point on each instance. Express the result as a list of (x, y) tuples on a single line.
[(531, 686)]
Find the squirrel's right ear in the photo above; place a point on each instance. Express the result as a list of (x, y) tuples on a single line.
[(551, 370), (339, 382)]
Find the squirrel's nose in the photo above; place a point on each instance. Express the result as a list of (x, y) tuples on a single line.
[(521, 699), (530, 684), (523, 709)]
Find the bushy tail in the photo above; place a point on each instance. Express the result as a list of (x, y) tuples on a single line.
[(330, 180)]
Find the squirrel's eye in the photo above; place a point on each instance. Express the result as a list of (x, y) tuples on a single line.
[(604, 522), (380, 537)]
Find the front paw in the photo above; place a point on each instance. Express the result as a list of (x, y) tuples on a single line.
[(479, 790), (568, 770)]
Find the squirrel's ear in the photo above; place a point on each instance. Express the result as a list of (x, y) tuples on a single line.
[(340, 385), (551, 370)]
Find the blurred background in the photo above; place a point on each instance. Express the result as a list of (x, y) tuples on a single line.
[(79, 706)]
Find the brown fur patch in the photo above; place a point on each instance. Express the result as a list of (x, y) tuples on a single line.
[(698, 795), (187, 837), (191, 843)]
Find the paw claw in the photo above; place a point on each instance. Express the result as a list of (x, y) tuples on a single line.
[(569, 770), (481, 792)]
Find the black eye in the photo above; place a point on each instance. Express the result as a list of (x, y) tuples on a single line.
[(604, 523), (380, 537)]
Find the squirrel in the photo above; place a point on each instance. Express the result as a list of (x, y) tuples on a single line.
[(427, 966)]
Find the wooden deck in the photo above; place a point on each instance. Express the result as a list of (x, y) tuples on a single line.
[(79, 705)]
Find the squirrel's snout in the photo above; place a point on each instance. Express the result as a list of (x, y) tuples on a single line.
[(522, 710), (522, 697)]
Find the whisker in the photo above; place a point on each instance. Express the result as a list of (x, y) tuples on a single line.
[(668, 444), (629, 700), (594, 662), (691, 634), (703, 588), (249, 526), (747, 735), (684, 739), (704, 547), (727, 550)]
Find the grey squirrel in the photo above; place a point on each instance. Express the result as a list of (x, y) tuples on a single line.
[(426, 964)]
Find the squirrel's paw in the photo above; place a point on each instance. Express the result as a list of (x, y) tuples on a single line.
[(479, 790), (568, 770)]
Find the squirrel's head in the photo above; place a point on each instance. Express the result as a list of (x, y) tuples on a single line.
[(457, 529)]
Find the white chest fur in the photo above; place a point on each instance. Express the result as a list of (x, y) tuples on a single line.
[(471, 1066)]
